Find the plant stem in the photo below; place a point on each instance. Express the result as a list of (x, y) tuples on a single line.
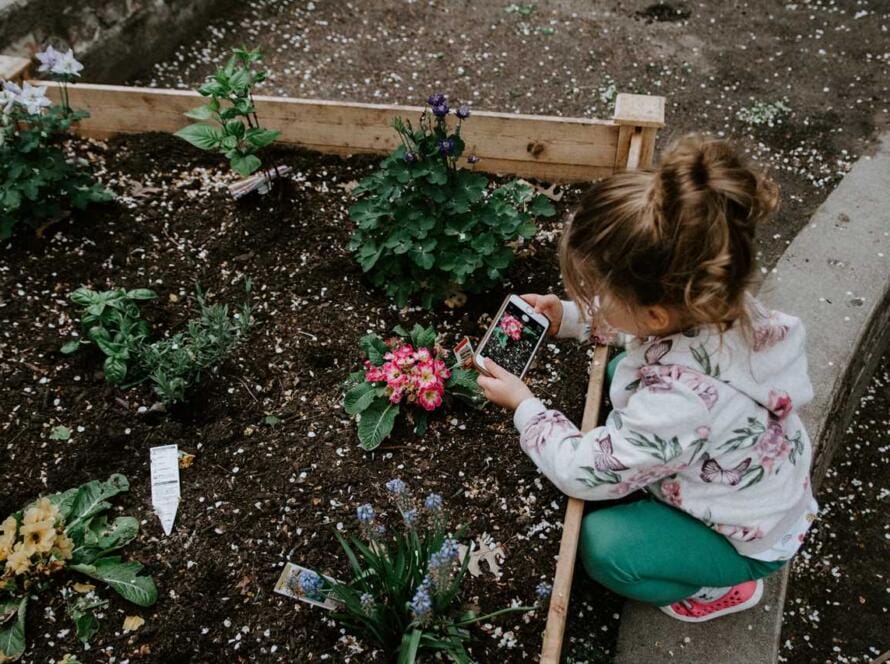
[(512, 609)]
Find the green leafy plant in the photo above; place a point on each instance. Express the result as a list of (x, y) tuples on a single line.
[(404, 371), (39, 183), (427, 228), (69, 530), (403, 594), (175, 364), (237, 132), (113, 322)]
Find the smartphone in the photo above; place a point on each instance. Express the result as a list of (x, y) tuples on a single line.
[(514, 337)]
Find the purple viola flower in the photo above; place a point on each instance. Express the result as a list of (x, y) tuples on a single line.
[(463, 112), (410, 157), (446, 146), (436, 100), (441, 110), (472, 159)]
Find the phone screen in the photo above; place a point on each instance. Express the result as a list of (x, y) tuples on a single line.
[(513, 340)]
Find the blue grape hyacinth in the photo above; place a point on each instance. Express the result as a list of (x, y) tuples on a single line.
[(396, 486), (310, 583), (365, 513), (433, 502)]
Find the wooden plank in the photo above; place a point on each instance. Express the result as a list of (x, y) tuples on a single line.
[(571, 527), (13, 69), (639, 110), (551, 148)]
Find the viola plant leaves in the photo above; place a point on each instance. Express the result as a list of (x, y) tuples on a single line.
[(425, 227)]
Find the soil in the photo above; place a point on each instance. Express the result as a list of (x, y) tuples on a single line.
[(837, 606), (258, 495), (826, 60)]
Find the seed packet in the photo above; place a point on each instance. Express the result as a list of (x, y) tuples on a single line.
[(288, 584)]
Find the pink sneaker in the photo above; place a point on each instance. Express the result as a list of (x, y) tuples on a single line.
[(738, 598)]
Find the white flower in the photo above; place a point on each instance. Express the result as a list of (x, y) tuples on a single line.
[(7, 100), (66, 64), (48, 59), (33, 98)]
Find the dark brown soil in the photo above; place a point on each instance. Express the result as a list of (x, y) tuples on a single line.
[(826, 60), (257, 495), (838, 607)]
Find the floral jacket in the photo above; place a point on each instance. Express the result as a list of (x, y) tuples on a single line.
[(705, 424)]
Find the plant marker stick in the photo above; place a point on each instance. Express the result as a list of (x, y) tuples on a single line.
[(165, 484)]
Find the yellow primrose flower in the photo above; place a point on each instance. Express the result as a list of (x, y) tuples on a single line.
[(42, 510), (20, 559), (63, 547), (7, 537), (40, 535)]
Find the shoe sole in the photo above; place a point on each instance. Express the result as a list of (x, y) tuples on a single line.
[(751, 602)]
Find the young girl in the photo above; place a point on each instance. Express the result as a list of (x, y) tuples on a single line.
[(704, 399)]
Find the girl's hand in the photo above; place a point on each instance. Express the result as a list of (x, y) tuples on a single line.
[(502, 387), (550, 306)]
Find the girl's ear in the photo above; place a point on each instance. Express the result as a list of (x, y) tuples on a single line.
[(659, 319)]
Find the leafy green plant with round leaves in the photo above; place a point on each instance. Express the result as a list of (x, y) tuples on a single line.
[(403, 373), (237, 132), (69, 530), (426, 228)]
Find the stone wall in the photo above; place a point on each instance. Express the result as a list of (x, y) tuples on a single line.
[(115, 39)]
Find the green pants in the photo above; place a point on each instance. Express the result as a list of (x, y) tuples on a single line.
[(652, 552)]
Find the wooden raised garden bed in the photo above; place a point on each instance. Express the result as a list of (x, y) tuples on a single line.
[(551, 149)]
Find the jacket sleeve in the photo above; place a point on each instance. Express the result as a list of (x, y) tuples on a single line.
[(659, 433), (575, 326)]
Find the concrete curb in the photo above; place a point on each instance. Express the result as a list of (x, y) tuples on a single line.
[(835, 276)]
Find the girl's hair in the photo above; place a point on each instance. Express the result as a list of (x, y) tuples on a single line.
[(681, 235)]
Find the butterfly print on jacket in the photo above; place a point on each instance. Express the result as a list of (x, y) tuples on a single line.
[(711, 470)]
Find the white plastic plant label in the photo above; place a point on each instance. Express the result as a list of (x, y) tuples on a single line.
[(165, 484)]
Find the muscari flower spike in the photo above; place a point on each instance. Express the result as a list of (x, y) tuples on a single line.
[(543, 590), (433, 502), (410, 517), (396, 486), (367, 602), (422, 604), (365, 513)]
